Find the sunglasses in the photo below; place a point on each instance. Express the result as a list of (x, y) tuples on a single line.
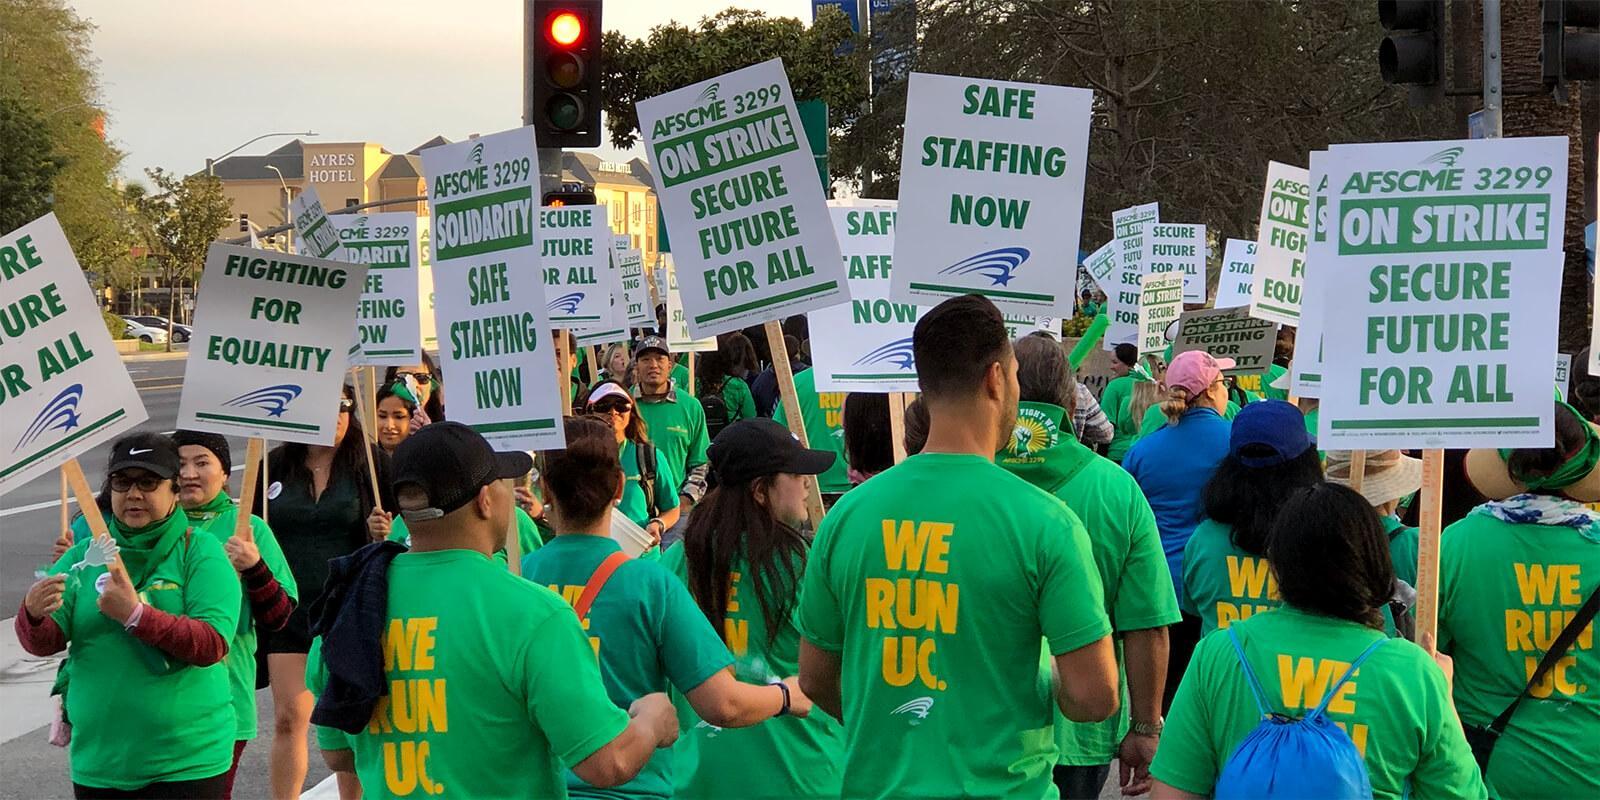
[(148, 483), (419, 377), (618, 407)]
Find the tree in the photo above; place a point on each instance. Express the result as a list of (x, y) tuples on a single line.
[(180, 219), (28, 166)]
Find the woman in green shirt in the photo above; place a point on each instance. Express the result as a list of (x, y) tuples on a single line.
[(650, 504), (742, 558), (1331, 558), (719, 375), (1117, 398)]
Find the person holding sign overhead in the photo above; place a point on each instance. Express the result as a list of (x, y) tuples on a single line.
[(148, 614), (424, 383)]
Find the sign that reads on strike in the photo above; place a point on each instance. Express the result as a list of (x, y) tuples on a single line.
[(1122, 296), (865, 345), (1228, 333), (1448, 258), (1281, 244), (991, 193), (63, 389), (740, 193), (1160, 301), (388, 317), (1102, 267), (263, 361), (1306, 377)]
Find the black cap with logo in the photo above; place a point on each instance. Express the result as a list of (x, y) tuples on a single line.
[(752, 448), (655, 343), (151, 452), (451, 462)]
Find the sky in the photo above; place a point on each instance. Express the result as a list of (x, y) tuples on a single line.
[(184, 80)]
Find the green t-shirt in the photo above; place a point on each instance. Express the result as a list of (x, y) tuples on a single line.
[(1115, 401), (1274, 372), (1402, 548), (1123, 538), (182, 716), (217, 518), (737, 397), (646, 631), (822, 414), (528, 538), (1505, 592), (1154, 420), (680, 375), (633, 505), (922, 579), (499, 686), (780, 758), (1396, 708), (1223, 584), (677, 427)]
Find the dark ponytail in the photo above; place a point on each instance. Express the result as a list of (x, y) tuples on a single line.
[(1247, 499), (582, 479), (1331, 555), (1539, 462), (728, 525)]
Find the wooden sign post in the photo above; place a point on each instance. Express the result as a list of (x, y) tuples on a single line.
[(369, 441), (253, 456), (73, 473), (897, 424), (563, 375), (266, 482), (1428, 547), (66, 517), (791, 412), (1358, 469)]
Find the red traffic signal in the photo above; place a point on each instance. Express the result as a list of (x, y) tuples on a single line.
[(564, 28), (563, 64)]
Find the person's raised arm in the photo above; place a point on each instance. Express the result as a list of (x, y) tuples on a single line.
[(652, 724), (819, 678)]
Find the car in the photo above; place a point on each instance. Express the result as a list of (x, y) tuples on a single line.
[(145, 333), (180, 332)]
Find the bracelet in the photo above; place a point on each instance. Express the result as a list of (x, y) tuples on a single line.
[(1148, 728), (783, 687), (134, 617)]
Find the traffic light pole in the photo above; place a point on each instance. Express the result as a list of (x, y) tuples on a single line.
[(1492, 96)]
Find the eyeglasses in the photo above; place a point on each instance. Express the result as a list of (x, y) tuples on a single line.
[(148, 483), (618, 407), (419, 377), (345, 404)]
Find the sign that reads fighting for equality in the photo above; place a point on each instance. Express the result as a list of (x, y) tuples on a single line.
[(1122, 297), (1281, 244), (1306, 368), (865, 345), (740, 193), (494, 333), (265, 360), (388, 319), (1448, 258), (991, 193), (63, 389), (1228, 333)]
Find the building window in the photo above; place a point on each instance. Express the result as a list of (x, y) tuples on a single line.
[(352, 201)]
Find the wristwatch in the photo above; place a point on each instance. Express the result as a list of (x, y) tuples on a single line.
[(1148, 728), (783, 687)]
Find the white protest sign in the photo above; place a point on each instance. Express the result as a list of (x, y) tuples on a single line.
[(1449, 259), (678, 338), (1122, 298), (1181, 248), (740, 192), (1563, 373), (490, 299), (265, 360), (1102, 267), (580, 283), (318, 238), (865, 345), (1228, 333), (636, 308), (63, 388), (430, 331), (1018, 326), (991, 193), (618, 333), (1306, 370), (387, 319), (1160, 302), (1238, 273), (1281, 244)]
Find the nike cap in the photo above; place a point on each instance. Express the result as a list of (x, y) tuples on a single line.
[(151, 452)]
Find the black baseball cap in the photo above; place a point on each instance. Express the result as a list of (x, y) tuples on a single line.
[(451, 462), (652, 343), (151, 452), (752, 448)]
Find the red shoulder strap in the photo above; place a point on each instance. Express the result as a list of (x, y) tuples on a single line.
[(591, 590)]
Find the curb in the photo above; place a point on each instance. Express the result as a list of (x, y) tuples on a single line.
[(172, 356)]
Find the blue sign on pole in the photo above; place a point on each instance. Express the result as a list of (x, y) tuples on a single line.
[(1475, 125), (891, 61), (847, 6)]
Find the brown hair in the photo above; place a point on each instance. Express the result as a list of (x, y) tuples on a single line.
[(581, 480), (637, 430), (1146, 393)]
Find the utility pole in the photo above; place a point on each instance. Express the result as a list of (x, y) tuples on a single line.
[(1492, 96)]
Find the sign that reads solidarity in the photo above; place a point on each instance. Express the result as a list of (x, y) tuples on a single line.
[(1238, 273), (865, 345), (1160, 302), (740, 193), (1306, 374), (1172, 247), (388, 317), (1122, 297), (262, 362), (991, 188), (1448, 258), (63, 389), (490, 300), (1228, 333), (1281, 244), (575, 260)]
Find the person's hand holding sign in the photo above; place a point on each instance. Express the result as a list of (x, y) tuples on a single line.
[(378, 524), (119, 599), (62, 545), (241, 549)]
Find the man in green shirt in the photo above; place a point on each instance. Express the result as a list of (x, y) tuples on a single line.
[(823, 416), (1127, 556), (928, 584), (491, 686), (674, 420), (1116, 398)]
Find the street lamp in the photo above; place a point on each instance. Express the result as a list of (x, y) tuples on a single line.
[(211, 162), (285, 185)]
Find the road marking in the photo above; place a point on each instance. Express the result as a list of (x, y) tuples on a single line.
[(70, 500)]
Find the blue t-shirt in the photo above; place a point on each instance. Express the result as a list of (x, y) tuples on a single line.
[(1172, 466)]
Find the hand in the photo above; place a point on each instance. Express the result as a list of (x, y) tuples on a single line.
[(242, 552), (528, 503), (1135, 755), (655, 529), (378, 524), (657, 711), (44, 596), (799, 704), (62, 545), (1446, 663), (119, 599)]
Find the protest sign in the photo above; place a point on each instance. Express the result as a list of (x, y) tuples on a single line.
[(991, 193), (63, 388), (1122, 298), (678, 337), (1102, 267), (1174, 247), (865, 345), (318, 238), (483, 198), (1228, 333), (1306, 370), (636, 309), (1563, 373), (1095, 371), (620, 303), (740, 193), (264, 359), (1018, 326), (430, 331), (1238, 273), (1281, 244), (1160, 301), (1448, 257), (387, 319), (580, 283)]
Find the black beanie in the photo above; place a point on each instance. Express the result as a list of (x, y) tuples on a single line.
[(215, 442)]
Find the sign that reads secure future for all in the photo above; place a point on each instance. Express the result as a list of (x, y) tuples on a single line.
[(263, 360), (575, 257), (1228, 333), (991, 193), (1238, 273), (865, 345), (1449, 260), (489, 299), (388, 316), (740, 193), (1174, 247), (63, 389), (1122, 297), (1281, 244), (1160, 301)]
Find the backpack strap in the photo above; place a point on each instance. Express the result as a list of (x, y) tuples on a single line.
[(1558, 648), (644, 458), (1250, 676), (1327, 697), (597, 581)]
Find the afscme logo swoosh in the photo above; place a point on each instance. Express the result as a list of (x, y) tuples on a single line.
[(998, 265), (1447, 156), (567, 303), (475, 155), (898, 352), (272, 399), (60, 414), (708, 93), (918, 708)]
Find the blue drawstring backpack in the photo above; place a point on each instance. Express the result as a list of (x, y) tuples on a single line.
[(1286, 757)]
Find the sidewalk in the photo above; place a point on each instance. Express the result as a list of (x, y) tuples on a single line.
[(179, 351)]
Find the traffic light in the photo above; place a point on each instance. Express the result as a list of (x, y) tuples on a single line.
[(1413, 52), (244, 223), (563, 72), (1569, 55), (570, 194)]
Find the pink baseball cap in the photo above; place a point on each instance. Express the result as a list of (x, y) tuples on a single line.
[(1195, 371)]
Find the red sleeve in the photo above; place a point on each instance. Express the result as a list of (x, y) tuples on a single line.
[(270, 605), (42, 638), (184, 638)]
